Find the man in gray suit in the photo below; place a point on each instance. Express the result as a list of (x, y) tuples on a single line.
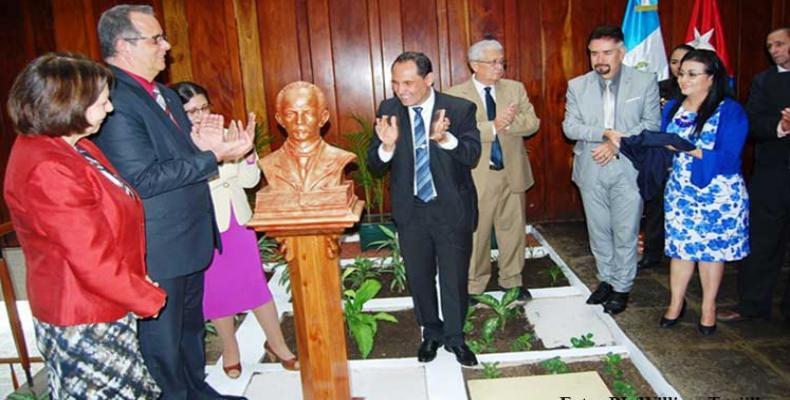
[(603, 105)]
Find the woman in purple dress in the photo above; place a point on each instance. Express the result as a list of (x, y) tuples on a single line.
[(234, 282)]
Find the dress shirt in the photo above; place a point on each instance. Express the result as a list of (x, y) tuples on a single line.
[(481, 90)]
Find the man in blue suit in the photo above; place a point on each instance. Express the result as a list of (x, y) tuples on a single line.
[(149, 140), (430, 142)]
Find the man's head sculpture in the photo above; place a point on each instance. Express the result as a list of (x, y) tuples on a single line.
[(302, 111), (305, 162)]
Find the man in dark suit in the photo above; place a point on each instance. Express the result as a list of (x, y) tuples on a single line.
[(147, 139), (434, 203), (769, 190)]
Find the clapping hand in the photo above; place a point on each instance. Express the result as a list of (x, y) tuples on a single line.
[(505, 118), (785, 121), (230, 145), (387, 131), (439, 127)]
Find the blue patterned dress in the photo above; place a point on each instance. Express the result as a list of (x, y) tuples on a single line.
[(709, 223)]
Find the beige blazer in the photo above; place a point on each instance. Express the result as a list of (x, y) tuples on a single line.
[(514, 154), (228, 188)]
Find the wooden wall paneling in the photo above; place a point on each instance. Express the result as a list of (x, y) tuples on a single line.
[(614, 11), (215, 54), (245, 12), (442, 62), (511, 39), (351, 56), (681, 14), (175, 24), (420, 32), (378, 65), (75, 27), (486, 20), (752, 54), (303, 37), (665, 14), (322, 63), (392, 41), (277, 27), (459, 40), (529, 67)]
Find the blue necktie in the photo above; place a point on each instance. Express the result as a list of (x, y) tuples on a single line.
[(496, 148), (422, 164)]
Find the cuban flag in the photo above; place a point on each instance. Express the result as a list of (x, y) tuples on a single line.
[(705, 31), (643, 41)]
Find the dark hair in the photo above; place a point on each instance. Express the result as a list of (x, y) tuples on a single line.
[(719, 89), (115, 23), (607, 32), (674, 89), (186, 90), (424, 66), (682, 46), (51, 94)]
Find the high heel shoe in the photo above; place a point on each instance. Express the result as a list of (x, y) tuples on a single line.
[(668, 323), (291, 364), (706, 330), (232, 371)]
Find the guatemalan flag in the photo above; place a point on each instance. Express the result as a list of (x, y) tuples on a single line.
[(705, 31), (643, 41)]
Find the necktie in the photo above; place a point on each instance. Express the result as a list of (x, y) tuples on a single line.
[(422, 166), (160, 99), (496, 148), (608, 106), (162, 103)]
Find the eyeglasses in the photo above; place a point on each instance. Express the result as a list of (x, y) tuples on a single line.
[(198, 110), (501, 63), (690, 74), (157, 39)]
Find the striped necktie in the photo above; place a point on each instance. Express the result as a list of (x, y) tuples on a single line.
[(422, 164), (160, 99)]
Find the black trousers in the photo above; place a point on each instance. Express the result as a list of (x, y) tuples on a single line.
[(429, 244), (654, 228), (172, 344), (769, 230)]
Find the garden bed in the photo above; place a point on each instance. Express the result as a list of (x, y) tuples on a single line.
[(630, 374), (538, 273), (504, 340), (393, 340)]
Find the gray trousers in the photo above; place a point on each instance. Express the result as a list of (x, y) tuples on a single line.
[(613, 206)]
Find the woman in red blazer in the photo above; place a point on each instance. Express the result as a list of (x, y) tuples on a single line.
[(81, 229)]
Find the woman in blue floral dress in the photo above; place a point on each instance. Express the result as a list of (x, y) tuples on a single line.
[(706, 204)]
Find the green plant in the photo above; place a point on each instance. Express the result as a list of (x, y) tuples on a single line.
[(624, 390), (479, 346), (270, 254), (262, 137), (582, 341), (555, 272), (372, 185), (210, 328), (29, 395), (503, 311), (523, 342), (357, 273), (620, 386), (555, 366), (491, 370), (612, 365), (396, 265), (363, 325)]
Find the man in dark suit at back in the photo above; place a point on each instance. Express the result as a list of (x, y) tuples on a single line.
[(147, 139), (429, 141), (769, 190)]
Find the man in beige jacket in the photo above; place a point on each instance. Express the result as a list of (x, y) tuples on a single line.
[(504, 117)]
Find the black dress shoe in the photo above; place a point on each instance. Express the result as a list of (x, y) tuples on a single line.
[(229, 397), (668, 323), (616, 303), (463, 354), (601, 294), (427, 350), (706, 330), (646, 263)]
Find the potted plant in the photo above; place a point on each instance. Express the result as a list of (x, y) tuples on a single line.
[(372, 185)]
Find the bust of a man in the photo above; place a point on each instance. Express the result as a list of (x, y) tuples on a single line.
[(305, 162)]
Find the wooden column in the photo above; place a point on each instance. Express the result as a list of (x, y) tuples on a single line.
[(309, 240)]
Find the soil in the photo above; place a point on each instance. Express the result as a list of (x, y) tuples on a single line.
[(392, 340), (386, 292), (631, 374), (535, 274), (352, 249), (503, 340)]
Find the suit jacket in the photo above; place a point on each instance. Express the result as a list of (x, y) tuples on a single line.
[(451, 169), (518, 171), (636, 108), (227, 190), (769, 94), (157, 157), (325, 168), (83, 236)]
